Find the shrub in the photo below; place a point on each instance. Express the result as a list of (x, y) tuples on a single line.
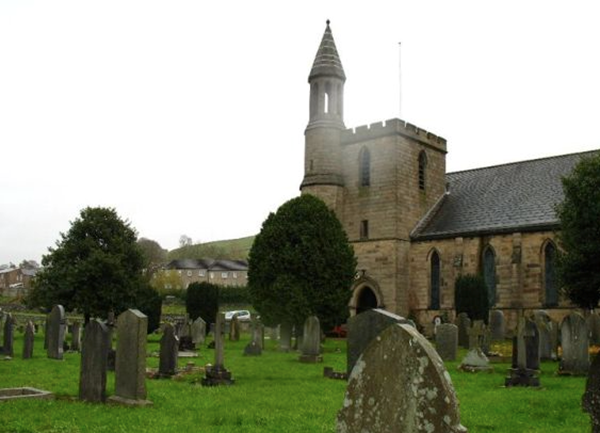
[(202, 300), (149, 302), (471, 297)]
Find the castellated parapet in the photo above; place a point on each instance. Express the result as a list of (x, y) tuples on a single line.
[(391, 127)]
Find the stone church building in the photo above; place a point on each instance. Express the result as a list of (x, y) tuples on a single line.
[(416, 228)]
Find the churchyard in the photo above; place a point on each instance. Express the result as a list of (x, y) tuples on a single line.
[(273, 392)]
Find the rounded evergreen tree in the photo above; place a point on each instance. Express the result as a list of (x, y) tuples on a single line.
[(301, 264), (202, 300), (471, 297), (579, 237), (94, 268)]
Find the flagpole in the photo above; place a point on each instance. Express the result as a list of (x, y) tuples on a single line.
[(400, 80)]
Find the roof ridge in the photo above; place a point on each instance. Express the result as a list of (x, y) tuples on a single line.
[(524, 161)]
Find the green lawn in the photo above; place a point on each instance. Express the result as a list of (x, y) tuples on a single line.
[(272, 393)]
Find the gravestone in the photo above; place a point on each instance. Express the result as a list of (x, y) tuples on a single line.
[(76, 336), (254, 348), (28, 339), (217, 374), (497, 325), (56, 332), (407, 390), (198, 331), (464, 324), (544, 325), (475, 360), (575, 345), (591, 398), (446, 341), (234, 328), (94, 362), (525, 357), (365, 327), (46, 331), (169, 348), (285, 337), (311, 341), (8, 335), (593, 323), (112, 353), (130, 363)]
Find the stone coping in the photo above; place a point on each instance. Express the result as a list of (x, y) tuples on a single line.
[(7, 394)]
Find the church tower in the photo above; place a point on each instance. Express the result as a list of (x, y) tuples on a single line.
[(323, 171)]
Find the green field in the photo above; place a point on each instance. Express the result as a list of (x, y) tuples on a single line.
[(272, 393)]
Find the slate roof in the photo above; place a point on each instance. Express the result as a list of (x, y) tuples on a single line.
[(327, 61), (209, 264), (520, 196)]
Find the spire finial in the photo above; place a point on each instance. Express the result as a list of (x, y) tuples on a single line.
[(328, 22)]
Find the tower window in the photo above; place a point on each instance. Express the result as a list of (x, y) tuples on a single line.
[(364, 229), (422, 167), (327, 97), (435, 281), (365, 167), (489, 273), (549, 275)]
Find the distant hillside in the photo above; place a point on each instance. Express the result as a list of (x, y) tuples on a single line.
[(228, 249)]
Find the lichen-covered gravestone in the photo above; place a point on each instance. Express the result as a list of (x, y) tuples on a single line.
[(9, 336), (56, 332), (544, 324), (575, 345), (464, 324), (311, 341), (363, 328), (28, 340), (591, 398), (399, 384), (76, 336), (254, 348), (130, 363), (497, 325), (198, 331), (446, 341), (94, 362), (285, 337), (169, 348), (475, 360)]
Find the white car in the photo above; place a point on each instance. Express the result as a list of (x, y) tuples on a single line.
[(242, 315)]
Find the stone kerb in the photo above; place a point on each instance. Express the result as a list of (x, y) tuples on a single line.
[(378, 398), (363, 328), (56, 332), (94, 362), (130, 363)]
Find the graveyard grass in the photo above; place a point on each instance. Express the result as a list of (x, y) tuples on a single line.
[(272, 393)]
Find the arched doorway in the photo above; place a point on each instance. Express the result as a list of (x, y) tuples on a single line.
[(367, 300)]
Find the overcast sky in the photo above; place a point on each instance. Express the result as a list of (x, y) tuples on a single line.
[(188, 117)]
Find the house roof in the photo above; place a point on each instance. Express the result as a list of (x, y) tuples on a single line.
[(520, 196), (209, 264)]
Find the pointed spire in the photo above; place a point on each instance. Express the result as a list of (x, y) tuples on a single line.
[(327, 61)]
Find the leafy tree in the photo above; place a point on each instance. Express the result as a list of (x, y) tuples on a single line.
[(471, 297), (579, 237), (154, 255), (149, 302), (202, 300), (95, 267), (167, 282), (301, 264)]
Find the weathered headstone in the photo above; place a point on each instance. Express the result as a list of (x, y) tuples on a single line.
[(234, 329), (591, 397), (46, 331), (254, 348), (94, 359), (198, 331), (399, 384), (311, 341), (130, 363), (28, 339), (76, 336), (475, 360), (593, 323), (8, 335), (217, 374), (497, 325), (464, 324), (525, 356), (169, 348), (111, 323), (285, 337), (575, 345), (56, 332), (365, 327), (446, 341), (544, 325)]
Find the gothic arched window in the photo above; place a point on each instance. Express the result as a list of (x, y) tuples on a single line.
[(365, 167), (422, 167), (550, 288), (489, 273), (435, 281)]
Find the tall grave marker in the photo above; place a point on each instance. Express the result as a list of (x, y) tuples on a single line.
[(28, 340), (217, 374), (55, 332), (94, 362)]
